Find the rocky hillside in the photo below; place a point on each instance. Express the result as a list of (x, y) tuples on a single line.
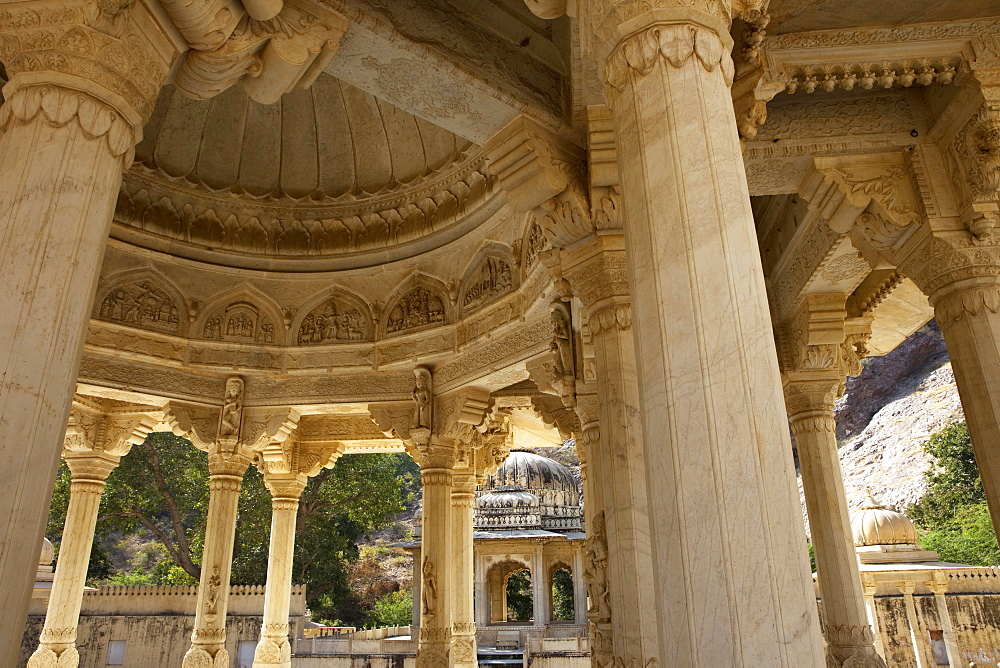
[(886, 415)]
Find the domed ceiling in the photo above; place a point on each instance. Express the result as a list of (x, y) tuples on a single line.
[(326, 172)]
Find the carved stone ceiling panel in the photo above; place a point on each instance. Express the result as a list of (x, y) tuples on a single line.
[(801, 15)]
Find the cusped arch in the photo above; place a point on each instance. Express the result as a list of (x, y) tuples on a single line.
[(491, 275), (142, 298), (335, 315), (241, 315), (419, 302)]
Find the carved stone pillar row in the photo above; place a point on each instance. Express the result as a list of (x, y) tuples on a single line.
[(273, 649), (619, 558), (846, 627), (82, 81), (437, 552), (463, 499), (93, 448), (208, 640), (710, 394)]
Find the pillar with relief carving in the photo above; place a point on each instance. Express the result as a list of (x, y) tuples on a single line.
[(434, 648), (717, 457), (83, 79), (463, 497), (208, 640), (273, 648), (622, 595)]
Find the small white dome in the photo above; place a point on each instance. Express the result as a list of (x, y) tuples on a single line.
[(874, 524), (513, 498)]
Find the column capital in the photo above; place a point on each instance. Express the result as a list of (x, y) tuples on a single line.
[(98, 64), (598, 273), (228, 465), (820, 343)]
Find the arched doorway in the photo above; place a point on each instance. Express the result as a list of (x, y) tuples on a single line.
[(509, 584)]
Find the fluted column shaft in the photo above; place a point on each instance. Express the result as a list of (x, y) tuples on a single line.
[(619, 560), (437, 573), (66, 135), (273, 648), (58, 638), (208, 641), (539, 592), (710, 394), (848, 633), (463, 497)]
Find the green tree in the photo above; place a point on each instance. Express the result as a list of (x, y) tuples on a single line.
[(952, 516), (562, 595), (393, 609), (520, 606)]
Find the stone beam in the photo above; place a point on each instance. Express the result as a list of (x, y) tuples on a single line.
[(431, 61)]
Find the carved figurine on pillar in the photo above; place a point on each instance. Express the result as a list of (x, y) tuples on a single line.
[(595, 565)]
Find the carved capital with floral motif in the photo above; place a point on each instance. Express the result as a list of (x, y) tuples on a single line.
[(98, 64)]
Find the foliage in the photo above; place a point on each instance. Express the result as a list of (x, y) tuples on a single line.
[(155, 506), (520, 606), (393, 609), (952, 516), (562, 596)]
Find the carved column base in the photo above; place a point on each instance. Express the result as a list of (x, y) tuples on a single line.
[(199, 657), (273, 649), (434, 649), (463, 644), (851, 647), (49, 656)]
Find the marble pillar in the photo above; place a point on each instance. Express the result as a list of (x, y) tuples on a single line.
[(541, 588), (869, 586), (717, 457), (208, 641), (66, 135), (579, 590), (57, 643), (273, 648), (845, 618), (939, 587), (437, 573), (619, 560), (921, 650), (463, 630), (415, 621), (482, 594)]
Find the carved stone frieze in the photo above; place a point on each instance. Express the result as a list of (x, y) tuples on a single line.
[(141, 303), (152, 211), (490, 280), (336, 319), (240, 321), (416, 308)]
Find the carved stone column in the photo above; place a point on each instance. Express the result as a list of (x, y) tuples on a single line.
[(436, 568), (870, 586), (710, 395), (83, 78), (539, 593), (823, 347), (619, 531), (208, 641), (463, 498), (579, 590), (273, 648), (287, 467), (90, 456)]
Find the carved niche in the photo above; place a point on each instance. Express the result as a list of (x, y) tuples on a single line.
[(141, 304), (492, 279), (417, 307), (241, 322), (335, 320)]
